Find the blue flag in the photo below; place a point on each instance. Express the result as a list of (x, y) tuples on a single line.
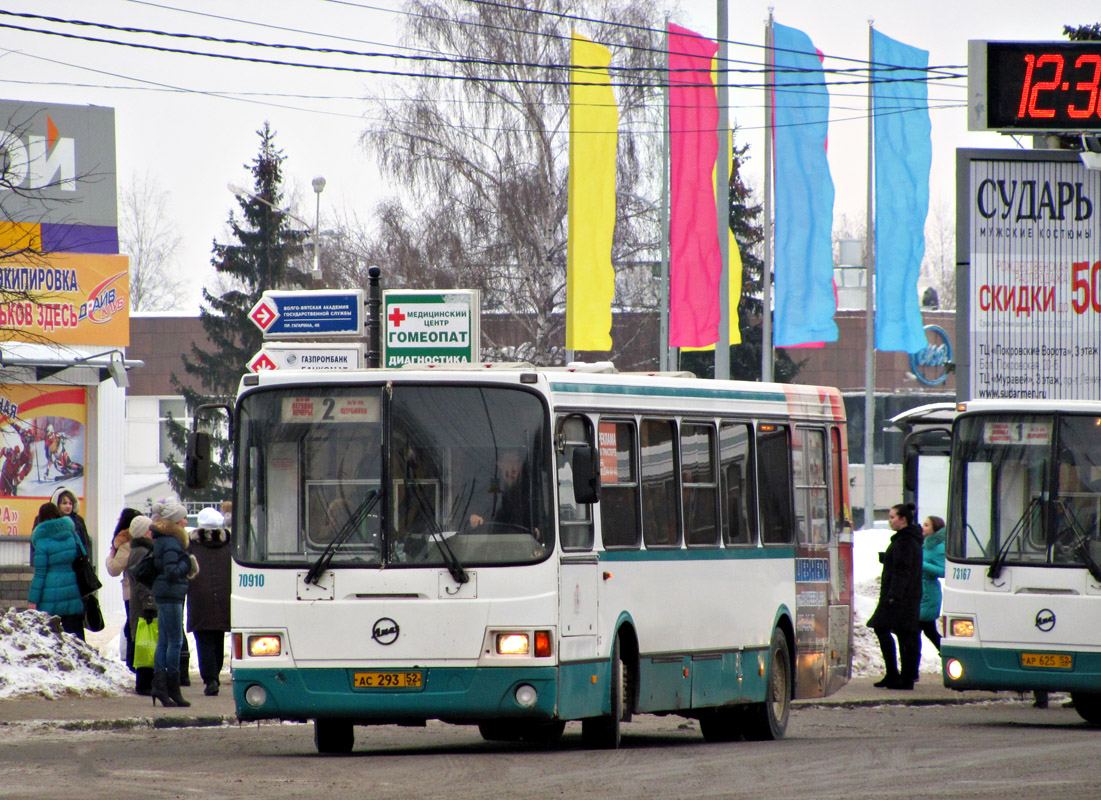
[(805, 300), (903, 155)]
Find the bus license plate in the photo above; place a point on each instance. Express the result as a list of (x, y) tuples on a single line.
[(1048, 660), (387, 680)]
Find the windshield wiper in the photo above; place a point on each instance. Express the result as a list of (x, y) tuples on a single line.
[(1081, 543), (346, 530), (428, 514), (1003, 551)]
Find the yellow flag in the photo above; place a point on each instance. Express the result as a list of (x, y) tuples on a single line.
[(594, 123), (734, 275)]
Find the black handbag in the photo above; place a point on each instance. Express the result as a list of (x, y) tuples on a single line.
[(145, 570), (93, 616), (86, 577)]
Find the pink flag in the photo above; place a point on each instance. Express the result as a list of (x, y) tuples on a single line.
[(695, 265)]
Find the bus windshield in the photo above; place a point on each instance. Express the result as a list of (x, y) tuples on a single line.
[(1026, 490), (462, 473)]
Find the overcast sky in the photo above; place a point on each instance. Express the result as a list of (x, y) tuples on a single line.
[(188, 123)]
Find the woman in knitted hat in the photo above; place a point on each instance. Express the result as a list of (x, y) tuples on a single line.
[(142, 605), (208, 595)]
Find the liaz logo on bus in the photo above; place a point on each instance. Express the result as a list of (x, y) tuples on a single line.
[(385, 631)]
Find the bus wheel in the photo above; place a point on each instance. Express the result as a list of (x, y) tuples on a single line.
[(769, 720), (602, 733), (333, 736), (1088, 706), (723, 724), (521, 731)]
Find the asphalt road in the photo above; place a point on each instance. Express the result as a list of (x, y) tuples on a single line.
[(991, 750)]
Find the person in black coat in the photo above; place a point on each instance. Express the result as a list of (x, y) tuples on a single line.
[(208, 595), (899, 608)]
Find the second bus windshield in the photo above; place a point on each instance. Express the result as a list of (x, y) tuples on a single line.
[(1027, 486)]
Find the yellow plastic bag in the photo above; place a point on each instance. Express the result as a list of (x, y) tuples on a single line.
[(145, 643)]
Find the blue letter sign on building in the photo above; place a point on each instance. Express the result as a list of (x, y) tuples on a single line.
[(290, 315)]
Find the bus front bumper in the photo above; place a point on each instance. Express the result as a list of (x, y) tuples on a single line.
[(1000, 669), (449, 693)]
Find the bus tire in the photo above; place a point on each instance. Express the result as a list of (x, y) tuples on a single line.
[(1088, 706), (768, 721), (333, 736), (602, 733)]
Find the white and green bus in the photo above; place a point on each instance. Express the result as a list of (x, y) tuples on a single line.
[(1022, 587), (516, 547)]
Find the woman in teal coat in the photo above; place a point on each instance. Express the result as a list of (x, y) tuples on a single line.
[(932, 570), (54, 588)]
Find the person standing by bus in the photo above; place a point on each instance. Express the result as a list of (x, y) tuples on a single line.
[(54, 588), (174, 569), (899, 608), (208, 595), (932, 570)]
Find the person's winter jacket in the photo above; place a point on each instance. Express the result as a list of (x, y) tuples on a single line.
[(932, 568), (142, 603), (117, 559), (208, 595), (171, 561), (900, 585), (54, 588)]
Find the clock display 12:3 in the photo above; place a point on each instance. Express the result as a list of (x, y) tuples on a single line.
[(1044, 85)]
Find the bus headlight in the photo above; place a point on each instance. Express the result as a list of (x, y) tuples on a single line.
[(953, 669), (512, 644), (958, 626), (264, 645)]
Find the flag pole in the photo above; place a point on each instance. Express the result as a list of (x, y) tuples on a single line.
[(869, 302), (665, 356), (766, 269), (722, 199)]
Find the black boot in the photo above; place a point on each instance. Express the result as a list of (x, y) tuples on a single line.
[(211, 687), (143, 681), (185, 664), (174, 690), (890, 681), (160, 690)]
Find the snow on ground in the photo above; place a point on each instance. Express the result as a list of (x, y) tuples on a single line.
[(36, 658)]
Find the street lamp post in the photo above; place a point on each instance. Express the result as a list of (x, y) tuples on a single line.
[(318, 184)]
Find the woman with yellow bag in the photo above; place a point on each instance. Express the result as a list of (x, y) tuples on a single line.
[(142, 618)]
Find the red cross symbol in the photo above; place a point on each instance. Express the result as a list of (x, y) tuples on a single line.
[(396, 317)]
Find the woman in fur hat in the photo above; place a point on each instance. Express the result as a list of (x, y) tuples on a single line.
[(174, 568), (208, 596)]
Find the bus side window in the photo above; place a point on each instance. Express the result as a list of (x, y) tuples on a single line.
[(660, 509), (837, 480), (774, 481), (809, 460), (700, 485), (619, 486), (739, 500), (575, 519)]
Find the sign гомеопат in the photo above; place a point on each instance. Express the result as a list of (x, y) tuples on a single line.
[(287, 315), (431, 327)]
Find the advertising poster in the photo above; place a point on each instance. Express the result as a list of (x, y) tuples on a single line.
[(42, 440), (72, 298), (1035, 278)]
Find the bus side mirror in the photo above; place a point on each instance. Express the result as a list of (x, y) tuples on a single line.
[(197, 461), (586, 474)]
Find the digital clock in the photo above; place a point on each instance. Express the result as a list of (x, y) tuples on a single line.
[(1041, 87)]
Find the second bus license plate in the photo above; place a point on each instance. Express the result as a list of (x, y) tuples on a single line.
[(1049, 660), (388, 679)]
